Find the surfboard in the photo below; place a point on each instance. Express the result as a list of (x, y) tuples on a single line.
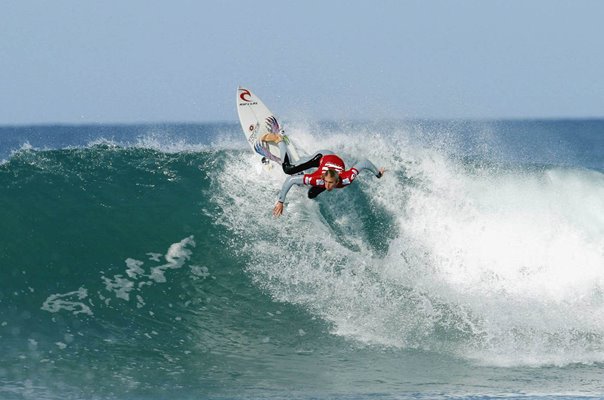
[(255, 118)]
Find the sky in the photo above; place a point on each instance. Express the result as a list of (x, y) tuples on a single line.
[(136, 61)]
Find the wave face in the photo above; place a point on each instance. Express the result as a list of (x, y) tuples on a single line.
[(143, 266)]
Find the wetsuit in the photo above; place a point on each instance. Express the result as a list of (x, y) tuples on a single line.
[(322, 160)]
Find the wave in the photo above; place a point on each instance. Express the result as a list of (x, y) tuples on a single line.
[(489, 262)]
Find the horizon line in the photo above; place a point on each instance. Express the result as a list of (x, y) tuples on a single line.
[(320, 121)]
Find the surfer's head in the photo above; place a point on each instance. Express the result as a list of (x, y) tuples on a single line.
[(331, 179)]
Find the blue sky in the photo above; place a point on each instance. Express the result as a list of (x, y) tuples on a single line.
[(169, 61)]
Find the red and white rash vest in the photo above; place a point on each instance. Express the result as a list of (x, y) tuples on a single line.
[(331, 161)]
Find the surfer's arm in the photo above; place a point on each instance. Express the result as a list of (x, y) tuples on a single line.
[(368, 165), (289, 182)]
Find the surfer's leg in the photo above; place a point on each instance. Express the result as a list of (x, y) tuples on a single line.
[(283, 152), (311, 162), (288, 168), (315, 191), (304, 164)]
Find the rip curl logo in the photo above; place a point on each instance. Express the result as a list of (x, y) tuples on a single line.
[(244, 93)]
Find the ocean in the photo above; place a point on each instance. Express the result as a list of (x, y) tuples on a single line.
[(143, 262)]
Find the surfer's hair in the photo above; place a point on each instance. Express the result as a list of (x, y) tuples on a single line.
[(332, 173)]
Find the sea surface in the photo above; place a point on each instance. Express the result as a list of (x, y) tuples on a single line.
[(143, 262)]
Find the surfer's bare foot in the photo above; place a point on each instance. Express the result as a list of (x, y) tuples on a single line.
[(271, 137)]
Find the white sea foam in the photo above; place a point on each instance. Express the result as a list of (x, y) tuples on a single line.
[(69, 302), (522, 251), (137, 277), (500, 266)]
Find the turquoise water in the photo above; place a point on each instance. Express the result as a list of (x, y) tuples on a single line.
[(143, 262)]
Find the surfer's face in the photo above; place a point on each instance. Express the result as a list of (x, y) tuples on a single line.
[(330, 182)]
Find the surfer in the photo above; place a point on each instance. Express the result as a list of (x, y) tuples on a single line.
[(330, 174)]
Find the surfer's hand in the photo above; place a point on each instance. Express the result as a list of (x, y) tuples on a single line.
[(381, 172), (278, 210)]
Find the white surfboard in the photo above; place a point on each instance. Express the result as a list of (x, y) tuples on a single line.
[(254, 118)]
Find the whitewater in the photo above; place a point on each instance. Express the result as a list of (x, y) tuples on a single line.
[(143, 262)]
